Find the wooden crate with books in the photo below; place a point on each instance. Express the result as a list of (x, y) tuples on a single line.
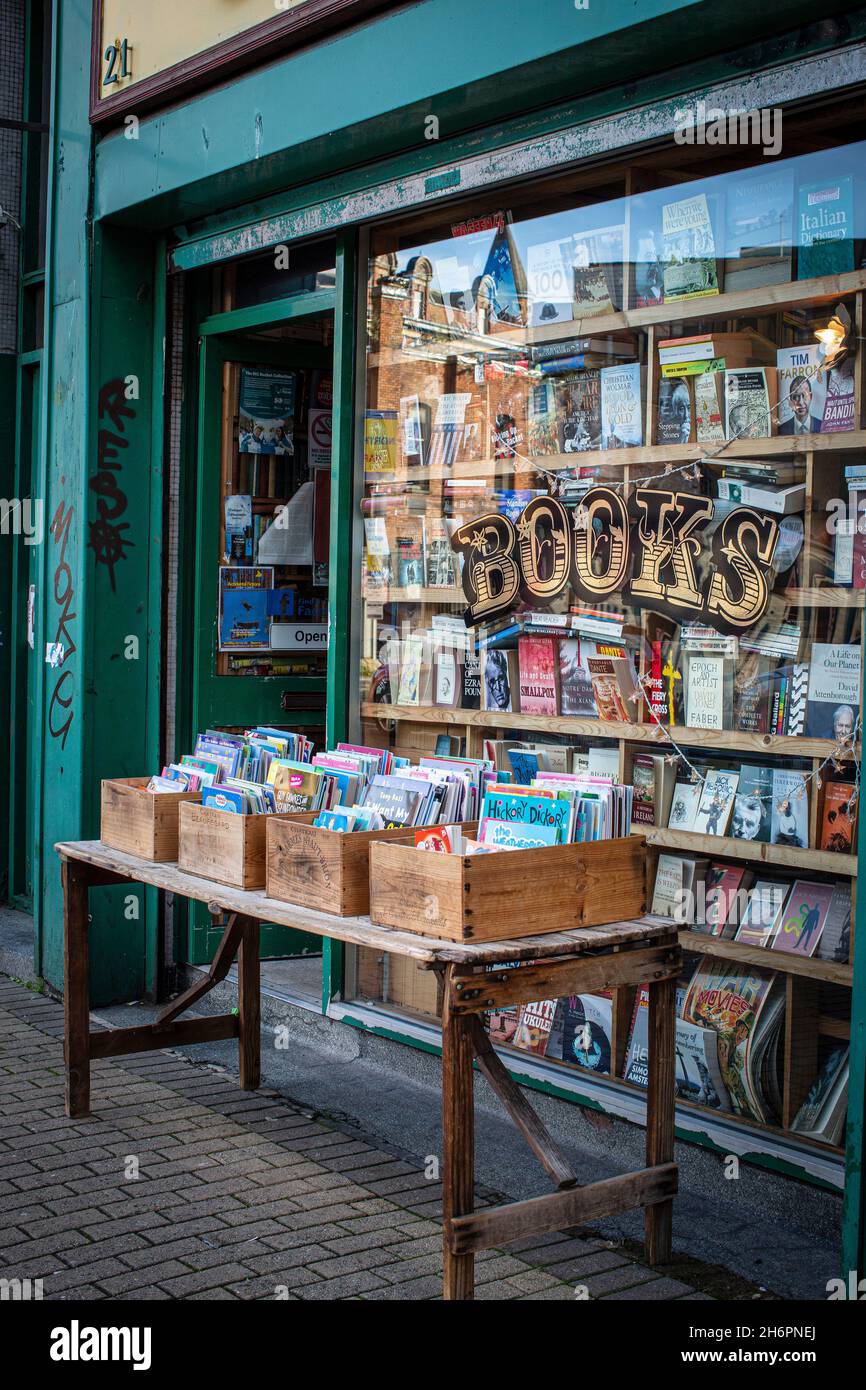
[(225, 846), (322, 868), (656, 509), (140, 821)]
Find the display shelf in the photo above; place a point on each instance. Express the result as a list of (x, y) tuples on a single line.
[(414, 593), (764, 450), (831, 597), (764, 299), (756, 852), (782, 961), (724, 739)]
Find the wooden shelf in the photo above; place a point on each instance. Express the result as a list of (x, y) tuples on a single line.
[(765, 299), (831, 597), (782, 961), (414, 593), (768, 450), (730, 740), (755, 851)]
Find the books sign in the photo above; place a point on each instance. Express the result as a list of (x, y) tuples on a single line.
[(647, 552)]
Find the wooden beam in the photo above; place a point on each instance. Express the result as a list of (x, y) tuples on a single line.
[(545, 1148), (660, 1110), (553, 979), (556, 1211), (249, 1007), (458, 1144), (230, 942), (76, 987), (117, 1042)]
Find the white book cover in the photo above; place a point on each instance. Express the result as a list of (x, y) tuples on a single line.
[(684, 806)]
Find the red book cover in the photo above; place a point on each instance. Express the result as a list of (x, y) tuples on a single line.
[(538, 660), (840, 814)]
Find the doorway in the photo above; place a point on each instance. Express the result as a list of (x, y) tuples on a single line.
[(258, 643)]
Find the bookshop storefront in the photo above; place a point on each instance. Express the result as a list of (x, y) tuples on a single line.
[(549, 453)]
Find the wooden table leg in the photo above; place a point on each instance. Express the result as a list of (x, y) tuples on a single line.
[(76, 988), (249, 1007), (661, 1099), (458, 1142)]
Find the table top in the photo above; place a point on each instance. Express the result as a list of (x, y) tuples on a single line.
[(360, 931)]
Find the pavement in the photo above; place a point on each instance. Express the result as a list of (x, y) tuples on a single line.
[(181, 1186)]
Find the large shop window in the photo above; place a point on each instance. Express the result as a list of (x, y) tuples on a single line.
[(613, 463)]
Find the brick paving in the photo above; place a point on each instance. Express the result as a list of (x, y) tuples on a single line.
[(180, 1186)]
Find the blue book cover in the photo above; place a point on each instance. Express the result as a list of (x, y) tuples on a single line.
[(825, 228), (224, 799), (527, 810), (244, 623), (525, 765)]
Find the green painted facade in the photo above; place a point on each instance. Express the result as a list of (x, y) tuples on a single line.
[(278, 145)]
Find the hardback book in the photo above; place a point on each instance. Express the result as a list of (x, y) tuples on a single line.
[(839, 820), (789, 816), (751, 397), (614, 687), (675, 418), (653, 779), (725, 899), (717, 802), (825, 228), (691, 270), (823, 1112), (534, 1026), (538, 663), (802, 389), (684, 806), (587, 1030), (835, 942), (500, 680), (578, 411), (709, 391), (752, 814), (834, 690), (839, 400), (802, 921), (674, 876), (470, 668), (577, 696), (622, 406), (763, 911), (709, 682), (759, 227), (769, 497)]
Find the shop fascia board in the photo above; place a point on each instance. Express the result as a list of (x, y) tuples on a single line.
[(245, 139), (601, 137)]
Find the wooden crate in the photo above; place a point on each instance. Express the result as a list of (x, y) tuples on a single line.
[(325, 869), (140, 822), (225, 846), (513, 893)]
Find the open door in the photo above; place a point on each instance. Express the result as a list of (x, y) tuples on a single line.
[(260, 633)]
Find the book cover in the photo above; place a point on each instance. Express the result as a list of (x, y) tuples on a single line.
[(447, 677), (717, 802), (688, 249), (643, 781), (409, 688), (407, 547), (578, 410), (750, 402), (500, 680), (596, 271), (377, 553), (839, 820), (586, 1021), (576, 690), (731, 1000), (752, 812), (725, 899), (802, 921), (709, 692), (470, 669), (709, 388), (621, 406), (825, 228), (675, 418), (500, 834), (763, 912), (839, 400), (521, 810), (684, 806), (802, 390), (538, 663), (834, 690), (534, 1026), (440, 560), (670, 886), (759, 229), (835, 941), (789, 816), (698, 1074)]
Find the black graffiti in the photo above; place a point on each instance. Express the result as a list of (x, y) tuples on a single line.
[(105, 532), (61, 710)]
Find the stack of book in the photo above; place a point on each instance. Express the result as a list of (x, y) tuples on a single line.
[(706, 375), (235, 773), (555, 809)]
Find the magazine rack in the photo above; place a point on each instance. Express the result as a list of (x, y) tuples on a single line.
[(629, 953)]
